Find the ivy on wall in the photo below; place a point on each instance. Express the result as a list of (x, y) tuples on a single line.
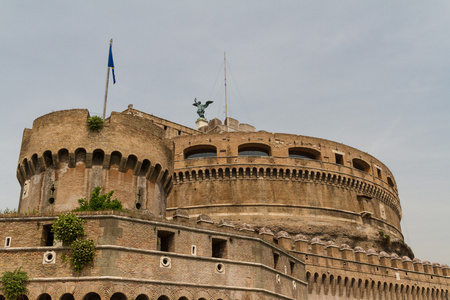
[(14, 284), (69, 229)]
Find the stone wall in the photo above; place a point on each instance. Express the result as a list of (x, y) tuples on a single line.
[(130, 251), (299, 185), (61, 161)]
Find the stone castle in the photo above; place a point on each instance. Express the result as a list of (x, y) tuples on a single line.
[(218, 212)]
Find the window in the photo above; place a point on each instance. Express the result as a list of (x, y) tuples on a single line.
[(254, 150), (304, 153), (166, 241), (219, 247), (339, 158), (361, 165), (292, 265), (47, 235), (379, 173), (276, 258), (390, 182), (200, 151)]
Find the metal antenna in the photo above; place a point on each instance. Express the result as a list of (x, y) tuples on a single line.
[(225, 72)]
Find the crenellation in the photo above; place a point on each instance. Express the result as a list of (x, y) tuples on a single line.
[(247, 214)]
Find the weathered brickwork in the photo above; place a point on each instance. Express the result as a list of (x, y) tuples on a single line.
[(128, 248), (223, 212)]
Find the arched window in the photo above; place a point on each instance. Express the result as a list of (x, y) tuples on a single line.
[(163, 297), (304, 153), (131, 163), (254, 150), (200, 151), (80, 155), (44, 297), (67, 296), (142, 297), (92, 296), (97, 157), (361, 165), (118, 296), (48, 159), (63, 156), (116, 158)]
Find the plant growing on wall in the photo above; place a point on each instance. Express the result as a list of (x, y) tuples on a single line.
[(95, 123), (82, 253), (14, 284), (67, 228), (99, 202)]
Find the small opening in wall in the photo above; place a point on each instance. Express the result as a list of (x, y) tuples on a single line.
[(166, 241), (219, 247), (138, 206), (194, 250), (276, 258), (339, 158), (47, 235), (306, 257), (8, 242), (292, 265), (220, 267), (51, 200), (379, 173)]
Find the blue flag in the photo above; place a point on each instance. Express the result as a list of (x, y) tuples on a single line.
[(111, 63)]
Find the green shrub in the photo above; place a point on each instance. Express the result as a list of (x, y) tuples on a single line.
[(14, 284), (95, 123), (82, 253), (67, 228), (99, 202)]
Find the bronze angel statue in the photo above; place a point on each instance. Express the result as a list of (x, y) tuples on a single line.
[(201, 107)]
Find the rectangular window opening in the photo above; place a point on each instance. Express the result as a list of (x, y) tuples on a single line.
[(47, 235), (379, 173), (276, 258), (219, 248), (339, 158), (8, 242), (166, 241), (292, 264)]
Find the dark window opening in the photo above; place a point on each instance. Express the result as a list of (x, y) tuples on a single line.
[(47, 235), (339, 158), (219, 248), (292, 265), (390, 182), (379, 173), (200, 151), (7, 243), (304, 153), (361, 165), (254, 150), (166, 241), (276, 258), (97, 157)]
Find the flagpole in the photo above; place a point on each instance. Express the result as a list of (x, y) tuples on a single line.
[(107, 82)]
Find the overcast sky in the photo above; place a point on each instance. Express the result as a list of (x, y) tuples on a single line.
[(373, 75)]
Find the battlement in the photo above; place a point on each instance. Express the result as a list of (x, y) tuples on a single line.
[(61, 161)]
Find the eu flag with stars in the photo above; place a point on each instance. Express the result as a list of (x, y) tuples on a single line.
[(111, 63)]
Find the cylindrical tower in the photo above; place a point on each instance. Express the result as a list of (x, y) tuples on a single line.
[(297, 183), (61, 161)]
